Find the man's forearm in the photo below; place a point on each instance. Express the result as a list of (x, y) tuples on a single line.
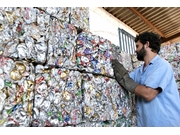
[(146, 92)]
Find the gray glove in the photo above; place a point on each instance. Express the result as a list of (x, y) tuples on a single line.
[(122, 76)]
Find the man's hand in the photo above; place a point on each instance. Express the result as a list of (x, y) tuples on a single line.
[(119, 70), (122, 76)]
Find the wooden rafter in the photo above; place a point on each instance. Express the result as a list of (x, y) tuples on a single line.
[(146, 21), (170, 38)]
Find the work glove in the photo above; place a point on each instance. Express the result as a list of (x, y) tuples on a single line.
[(122, 76)]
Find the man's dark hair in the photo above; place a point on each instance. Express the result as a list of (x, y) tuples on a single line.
[(154, 40)]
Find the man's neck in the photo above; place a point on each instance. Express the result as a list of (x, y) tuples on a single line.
[(148, 59)]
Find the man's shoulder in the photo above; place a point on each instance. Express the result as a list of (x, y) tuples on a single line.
[(163, 61)]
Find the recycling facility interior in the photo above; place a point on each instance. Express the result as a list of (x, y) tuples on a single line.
[(55, 66)]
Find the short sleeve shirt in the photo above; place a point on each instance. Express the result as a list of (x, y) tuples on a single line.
[(164, 109)]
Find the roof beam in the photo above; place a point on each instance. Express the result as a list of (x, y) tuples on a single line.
[(117, 11), (146, 21), (170, 38), (111, 9)]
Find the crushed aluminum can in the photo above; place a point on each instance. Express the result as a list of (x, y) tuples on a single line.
[(18, 77)]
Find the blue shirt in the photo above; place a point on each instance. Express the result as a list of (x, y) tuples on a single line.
[(164, 109)]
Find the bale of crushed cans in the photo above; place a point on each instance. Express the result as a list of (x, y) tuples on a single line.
[(55, 73), (16, 92), (171, 53), (23, 34), (94, 54), (58, 97)]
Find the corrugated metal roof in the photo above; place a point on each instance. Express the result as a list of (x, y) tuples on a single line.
[(165, 21)]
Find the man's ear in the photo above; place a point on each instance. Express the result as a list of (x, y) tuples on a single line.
[(147, 44)]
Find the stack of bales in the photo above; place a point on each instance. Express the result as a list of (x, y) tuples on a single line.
[(54, 72)]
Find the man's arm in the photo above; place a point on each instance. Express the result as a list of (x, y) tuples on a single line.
[(123, 78), (146, 92)]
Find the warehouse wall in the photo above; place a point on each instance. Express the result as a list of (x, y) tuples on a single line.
[(104, 24)]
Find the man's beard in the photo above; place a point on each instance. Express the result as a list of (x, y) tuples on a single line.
[(141, 54)]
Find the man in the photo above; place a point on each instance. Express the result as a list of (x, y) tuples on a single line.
[(157, 97)]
